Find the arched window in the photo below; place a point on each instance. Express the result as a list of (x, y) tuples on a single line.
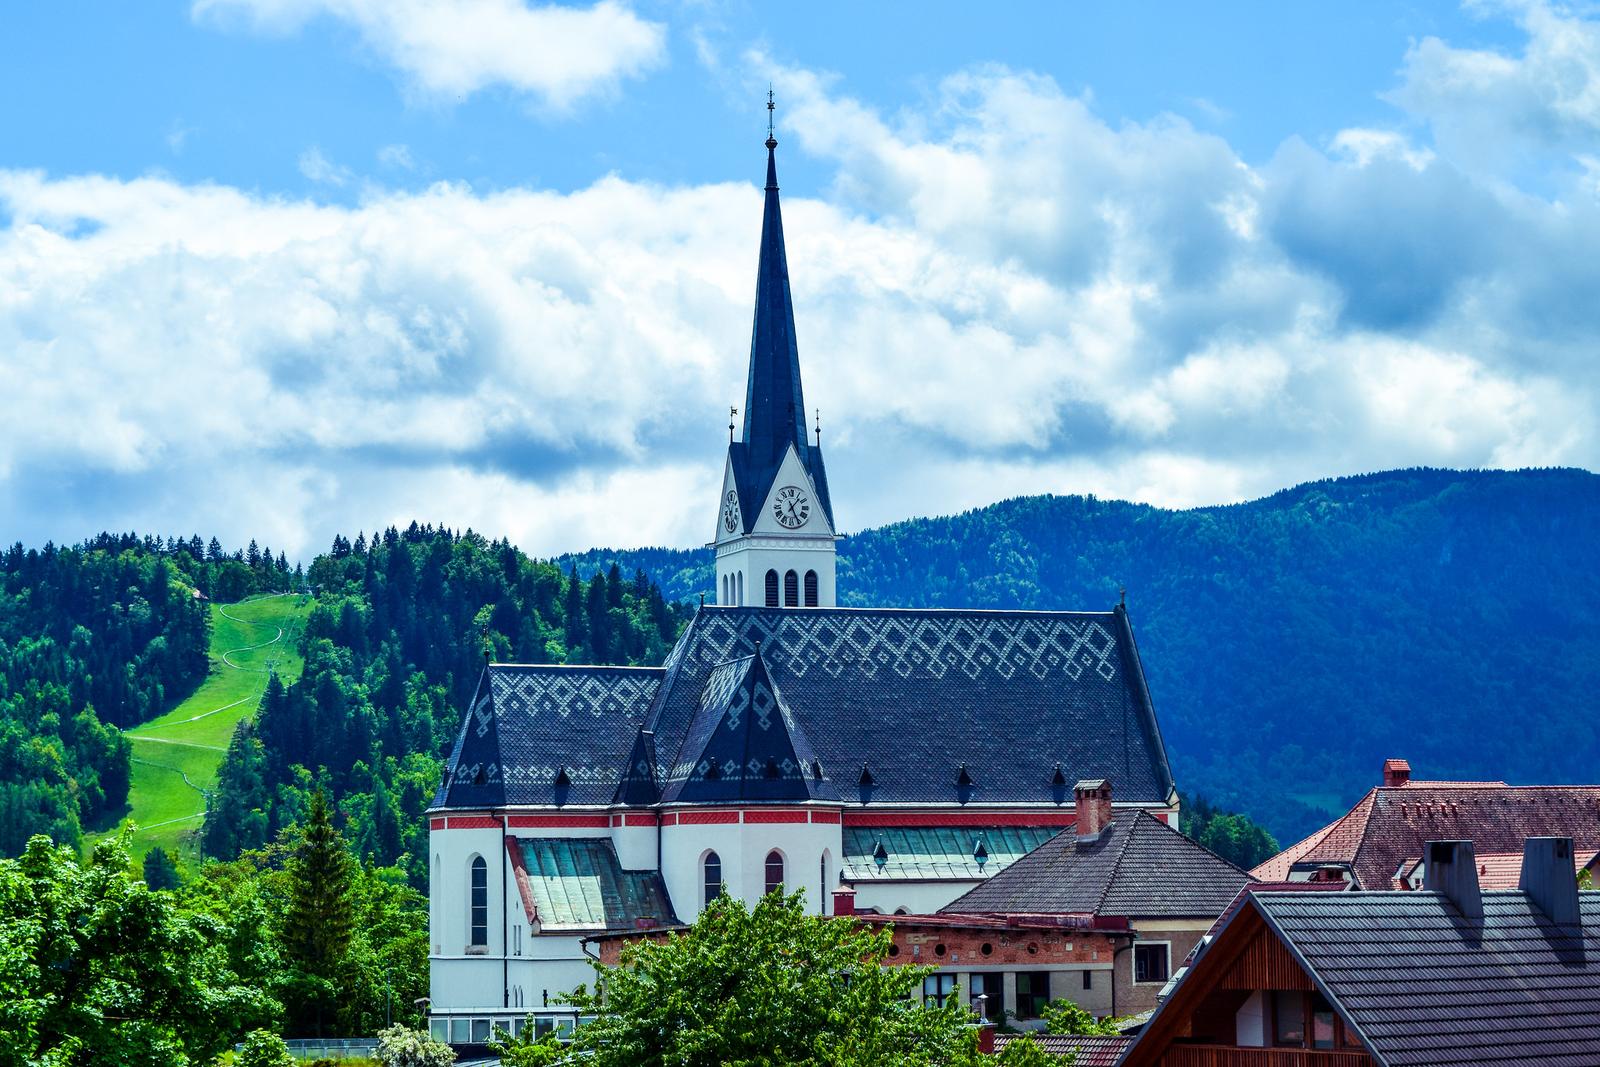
[(738, 591), (479, 917), (822, 880), (723, 596), (774, 871), (772, 589), (811, 589), (713, 881), (791, 590)]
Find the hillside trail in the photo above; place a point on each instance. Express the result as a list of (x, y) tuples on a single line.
[(204, 794)]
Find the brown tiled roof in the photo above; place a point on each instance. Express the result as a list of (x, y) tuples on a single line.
[(1089, 1050), (1391, 823), (1496, 870)]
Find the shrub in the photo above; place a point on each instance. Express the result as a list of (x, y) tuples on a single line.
[(264, 1049), (400, 1046)]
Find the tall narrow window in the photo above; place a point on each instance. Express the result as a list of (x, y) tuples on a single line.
[(724, 599), (713, 880), (774, 870), (822, 880), (480, 902), (811, 589), (791, 590), (772, 589), (738, 589)]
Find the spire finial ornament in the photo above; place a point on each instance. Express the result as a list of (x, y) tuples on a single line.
[(731, 413), (819, 427), (772, 142)]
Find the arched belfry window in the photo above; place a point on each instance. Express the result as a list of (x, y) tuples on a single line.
[(772, 589), (822, 880), (774, 871), (791, 590), (738, 589), (478, 918), (713, 877), (811, 589), (725, 598)]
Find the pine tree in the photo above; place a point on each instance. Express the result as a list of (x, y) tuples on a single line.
[(160, 872), (253, 554), (214, 551), (318, 925)]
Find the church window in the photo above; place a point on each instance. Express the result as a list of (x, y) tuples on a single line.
[(713, 879), (723, 599), (774, 871), (791, 590), (738, 589), (811, 589), (479, 901), (822, 880), (772, 589)]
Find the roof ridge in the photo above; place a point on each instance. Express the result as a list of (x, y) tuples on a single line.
[(1116, 867), (1162, 823)]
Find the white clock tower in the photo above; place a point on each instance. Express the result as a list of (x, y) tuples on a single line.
[(775, 533)]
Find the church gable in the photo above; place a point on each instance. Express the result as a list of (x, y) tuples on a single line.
[(793, 504)]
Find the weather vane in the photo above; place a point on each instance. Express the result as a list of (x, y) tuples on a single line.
[(731, 413), (819, 427), (771, 107)]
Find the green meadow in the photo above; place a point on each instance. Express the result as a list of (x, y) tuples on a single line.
[(176, 756)]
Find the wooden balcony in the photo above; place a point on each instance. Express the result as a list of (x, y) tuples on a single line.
[(1233, 1056)]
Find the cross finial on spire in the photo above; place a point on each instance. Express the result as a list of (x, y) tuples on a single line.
[(819, 427), (772, 142)]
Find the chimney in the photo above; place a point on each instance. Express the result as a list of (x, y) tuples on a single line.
[(1453, 870), (986, 1038), (844, 901), (1549, 877), (1091, 807), (1396, 772)]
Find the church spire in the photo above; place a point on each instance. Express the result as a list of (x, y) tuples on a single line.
[(774, 409)]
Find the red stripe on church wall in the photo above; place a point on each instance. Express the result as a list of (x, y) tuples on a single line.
[(473, 822), (707, 818), (560, 822), (436, 824), (1059, 817), (825, 816), (774, 816)]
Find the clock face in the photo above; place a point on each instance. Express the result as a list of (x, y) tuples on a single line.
[(791, 507), (730, 511)]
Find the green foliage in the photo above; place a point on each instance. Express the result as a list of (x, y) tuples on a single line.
[(160, 872), (1236, 838), (766, 985), (1295, 642), (318, 923), (393, 649), (526, 1049), (400, 1046), (1065, 1017), (1024, 1051), (263, 1049), (99, 970)]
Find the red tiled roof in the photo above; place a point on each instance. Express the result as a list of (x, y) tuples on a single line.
[(1090, 1050), (1496, 870), (1390, 824)]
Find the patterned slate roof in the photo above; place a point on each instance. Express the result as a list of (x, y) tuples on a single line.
[(547, 735), (576, 884), (1138, 867), (1426, 986), (936, 706), (744, 744), (1391, 823), (1089, 1050), (936, 853)]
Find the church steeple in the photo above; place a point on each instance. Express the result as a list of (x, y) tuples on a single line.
[(774, 407)]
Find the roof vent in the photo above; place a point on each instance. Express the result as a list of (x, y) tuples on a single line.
[(816, 770), (713, 773), (562, 777), (1549, 878), (1058, 779), (771, 770), (478, 776), (963, 778), (880, 855), (980, 854), (866, 775), (1396, 772), (1453, 870)]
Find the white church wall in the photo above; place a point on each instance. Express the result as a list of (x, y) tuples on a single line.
[(634, 836), (753, 556), (917, 898), (742, 848)]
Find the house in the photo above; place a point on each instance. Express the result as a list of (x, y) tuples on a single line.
[(907, 755), (1449, 974), (1378, 843), (1125, 870)]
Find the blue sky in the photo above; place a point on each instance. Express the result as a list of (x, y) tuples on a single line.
[(286, 268)]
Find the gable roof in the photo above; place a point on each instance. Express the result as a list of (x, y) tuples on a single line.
[(1137, 866), (1390, 824), (1087, 1050), (895, 705), (1421, 983), (935, 853), (745, 744)]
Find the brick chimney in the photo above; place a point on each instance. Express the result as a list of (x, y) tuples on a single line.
[(1396, 772), (844, 901), (1091, 807), (1549, 877), (1453, 870)]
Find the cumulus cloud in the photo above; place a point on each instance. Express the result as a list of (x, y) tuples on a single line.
[(558, 55), (1002, 293)]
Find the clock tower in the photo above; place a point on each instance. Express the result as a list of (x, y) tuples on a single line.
[(775, 532)]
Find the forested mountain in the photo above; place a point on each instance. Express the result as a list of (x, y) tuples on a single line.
[(106, 633), (392, 650), (1294, 642)]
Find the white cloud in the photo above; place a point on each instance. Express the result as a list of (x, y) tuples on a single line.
[(1003, 294), (555, 54), (396, 157), (318, 168)]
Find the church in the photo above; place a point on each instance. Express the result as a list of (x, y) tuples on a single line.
[(900, 757)]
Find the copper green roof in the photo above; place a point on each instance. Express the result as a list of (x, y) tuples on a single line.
[(578, 884), (936, 852)]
